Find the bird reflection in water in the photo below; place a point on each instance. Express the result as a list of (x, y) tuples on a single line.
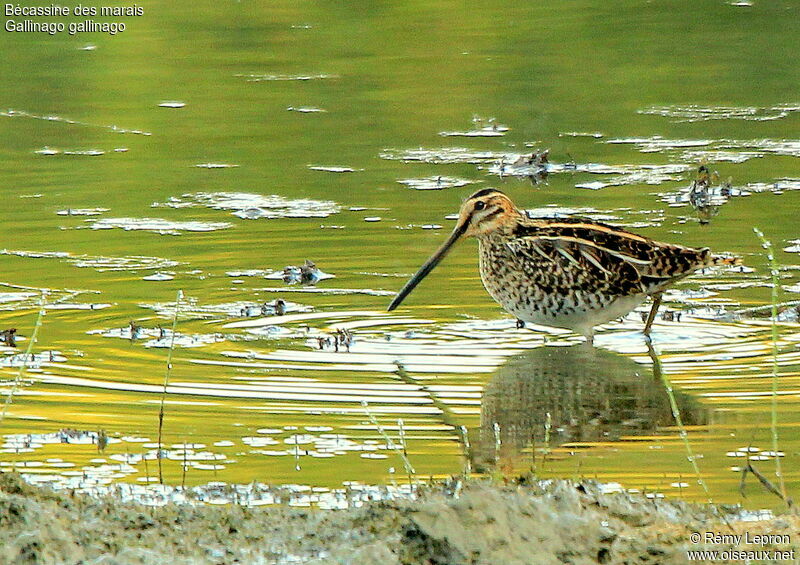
[(550, 396)]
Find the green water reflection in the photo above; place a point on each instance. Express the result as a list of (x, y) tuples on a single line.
[(395, 76)]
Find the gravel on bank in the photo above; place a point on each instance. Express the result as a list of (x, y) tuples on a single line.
[(471, 523)]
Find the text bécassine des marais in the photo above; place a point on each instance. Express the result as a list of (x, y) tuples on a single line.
[(52, 28), (79, 10)]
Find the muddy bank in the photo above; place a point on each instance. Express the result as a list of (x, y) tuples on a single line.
[(560, 522)]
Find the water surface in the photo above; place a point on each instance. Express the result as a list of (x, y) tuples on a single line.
[(210, 146)]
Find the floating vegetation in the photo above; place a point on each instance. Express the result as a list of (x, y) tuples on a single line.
[(251, 206), (307, 274), (53, 118), (277, 77), (435, 183), (696, 113), (157, 225)]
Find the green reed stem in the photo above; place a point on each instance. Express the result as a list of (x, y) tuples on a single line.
[(24, 366), (390, 443), (178, 299), (676, 413), (775, 276)]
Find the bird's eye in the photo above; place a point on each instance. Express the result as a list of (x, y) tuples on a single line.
[(480, 205)]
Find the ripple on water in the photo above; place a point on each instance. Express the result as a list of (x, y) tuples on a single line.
[(697, 113), (306, 109), (212, 165), (505, 164), (486, 131), (100, 263), (732, 150), (333, 169), (82, 211), (435, 183), (26, 298), (251, 206), (78, 152), (32, 361), (646, 174), (255, 77), (157, 225), (160, 337), (192, 309), (442, 155), (54, 118)]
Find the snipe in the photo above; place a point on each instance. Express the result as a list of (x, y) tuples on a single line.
[(564, 272)]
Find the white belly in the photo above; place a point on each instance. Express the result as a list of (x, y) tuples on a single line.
[(580, 316)]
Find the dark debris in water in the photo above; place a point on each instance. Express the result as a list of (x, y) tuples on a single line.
[(191, 308), (703, 195), (306, 274)]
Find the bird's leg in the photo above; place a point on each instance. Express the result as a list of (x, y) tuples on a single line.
[(520, 324), (653, 311)]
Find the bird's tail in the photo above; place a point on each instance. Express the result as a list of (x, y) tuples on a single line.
[(719, 260)]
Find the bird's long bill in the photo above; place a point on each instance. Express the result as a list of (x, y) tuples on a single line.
[(429, 265)]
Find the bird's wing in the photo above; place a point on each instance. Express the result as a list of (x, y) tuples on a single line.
[(609, 246), (581, 260)]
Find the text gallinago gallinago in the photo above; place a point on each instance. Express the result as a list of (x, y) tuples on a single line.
[(564, 272)]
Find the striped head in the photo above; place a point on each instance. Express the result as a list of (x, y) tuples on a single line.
[(485, 212)]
